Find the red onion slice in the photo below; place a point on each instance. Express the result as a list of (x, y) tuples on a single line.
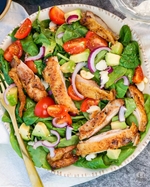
[(109, 69), (6, 91), (72, 18), (58, 125), (49, 144), (38, 56), (60, 35), (76, 70), (37, 144), (91, 63), (68, 132), (52, 151), (122, 113), (125, 79)]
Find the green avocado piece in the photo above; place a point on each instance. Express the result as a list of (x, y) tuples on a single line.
[(117, 48), (113, 153), (118, 125), (24, 131), (74, 13), (112, 59), (12, 96), (40, 130), (80, 57)]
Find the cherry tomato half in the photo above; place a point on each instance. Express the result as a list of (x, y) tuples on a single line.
[(75, 46), (24, 29), (87, 103), (14, 49), (65, 118), (57, 110), (41, 107), (72, 94), (138, 75), (94, 41), (31, 65), (57, 15)]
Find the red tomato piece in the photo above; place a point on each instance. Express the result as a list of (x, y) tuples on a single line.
[(14, 49), (57, 110), (57, 15), (138, 75), (75, 46), (24, 29), (65, 118), (72, 94), (87, 103), (94, 41), (31, 65), (41, 107)]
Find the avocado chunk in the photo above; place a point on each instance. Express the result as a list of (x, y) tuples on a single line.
[(12, 96), (117, 48), (74, 15), (113, 153), (40, 130), (24, 131), (112, 59), (118, 125), (80, 57)]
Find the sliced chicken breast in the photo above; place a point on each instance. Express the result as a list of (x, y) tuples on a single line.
[(112, 139), (54, 77), (100, 120), (63, 157), (31, 83), (140, 110), (21, 95), (97, 25), (90, 89)]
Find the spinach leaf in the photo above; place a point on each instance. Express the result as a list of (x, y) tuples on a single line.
[(120, 88), (39, 66), (28, 117), (29, 46), (95, 163), (73, 141), (29, 103), (131, 118), (6, 117), (125, 35), (130, 56), (125, 153), (5, 68), (147, 109), (74, 30), (78, 124), (129, 73), (118, 71), (38, 156), (14, 142), (130, 106)]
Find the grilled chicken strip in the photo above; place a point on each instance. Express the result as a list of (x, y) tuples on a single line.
[(97, 25), (21, 95), (100, 120), (112, 139), (54, 77), (31, 83), (63, 157), (140, 110), (90, 89)]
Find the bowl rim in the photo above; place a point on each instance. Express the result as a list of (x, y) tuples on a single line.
[(5, 9)]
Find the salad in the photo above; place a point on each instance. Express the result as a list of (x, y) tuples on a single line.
[(78, 90)]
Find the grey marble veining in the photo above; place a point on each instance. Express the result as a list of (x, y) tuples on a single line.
[(136, 173)]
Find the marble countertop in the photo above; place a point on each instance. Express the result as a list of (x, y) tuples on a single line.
[(136, 173)]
